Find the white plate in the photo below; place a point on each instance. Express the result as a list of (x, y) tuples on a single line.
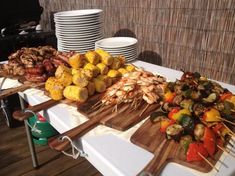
[(72, 28), (119, 50), (75, 20), (84, 17), (81, 30), (116, 42), (78, 36), (78, 22), (80, 39), (75, 13)]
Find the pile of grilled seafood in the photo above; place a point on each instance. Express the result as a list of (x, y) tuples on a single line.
[(35, 64), (134, 87), (88, 73), (197, 113)]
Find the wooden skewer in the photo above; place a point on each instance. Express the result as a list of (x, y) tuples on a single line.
[(144, 109), (228, 129), (226, 151), (232, 123), (208, 162)]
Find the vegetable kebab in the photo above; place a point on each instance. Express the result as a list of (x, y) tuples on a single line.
[(197, 113)]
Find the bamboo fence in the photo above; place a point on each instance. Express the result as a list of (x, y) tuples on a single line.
[(193, 35)]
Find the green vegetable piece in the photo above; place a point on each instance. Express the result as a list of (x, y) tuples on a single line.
[(157, 116), (187, 122)]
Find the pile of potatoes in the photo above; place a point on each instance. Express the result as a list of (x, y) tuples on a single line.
[(91, 72)]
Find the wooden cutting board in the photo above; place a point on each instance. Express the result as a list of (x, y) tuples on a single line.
[(149, 137), (122, 119)]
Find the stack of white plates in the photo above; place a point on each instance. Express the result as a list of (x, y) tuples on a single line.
[(126, 46), (78, 30)]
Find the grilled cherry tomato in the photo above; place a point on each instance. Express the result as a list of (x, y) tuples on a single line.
[(209, 141), (194, 149)]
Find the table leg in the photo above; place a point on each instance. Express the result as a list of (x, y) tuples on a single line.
[(29, 137)]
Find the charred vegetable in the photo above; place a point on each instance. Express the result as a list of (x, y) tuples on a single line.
[(157, 116), (174, 131)]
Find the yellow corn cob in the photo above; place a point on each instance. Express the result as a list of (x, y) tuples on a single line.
[(93, 68), (88, 73), (76, 93), (116, 63), (50, 83), (56, 94), (103, 68), (77, 60), (91, 88), (80, 79), (106, 79), (92, 57), (122, 71), (66, 79), (61, 69), (106, 58), (114, 73), (130, 68), (100, 85)]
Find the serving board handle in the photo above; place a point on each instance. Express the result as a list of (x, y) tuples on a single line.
[(161, 155), (58, 144), (11, 91), (22, 115)]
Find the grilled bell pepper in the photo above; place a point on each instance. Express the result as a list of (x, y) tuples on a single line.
[(194, 149), (164, 124), (209, 141), (226, 96), (169, 96), (176, 114), (211, 115)]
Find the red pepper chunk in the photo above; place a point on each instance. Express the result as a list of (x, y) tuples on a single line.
[(194, 149), (172, 113), (225, 96), (209, 141)]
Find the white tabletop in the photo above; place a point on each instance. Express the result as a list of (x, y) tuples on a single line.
[(111, 151)]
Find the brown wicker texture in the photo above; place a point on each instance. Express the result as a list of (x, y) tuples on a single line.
[(195, 35)]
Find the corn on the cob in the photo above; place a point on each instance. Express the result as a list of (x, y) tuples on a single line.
[(114, 73), (116, 63), (88, 73), (91, 88), (122, 59), (77, 60), (103, 68), (93, 68), (76, 93), (100, 85), (130, 68), (80, 79), (122, 71), (106, 58), (106, 79), (92, 57), (66, 79), (56, 94), (61, 69), (50, 83)]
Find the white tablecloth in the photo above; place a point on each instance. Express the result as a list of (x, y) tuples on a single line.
[(109, 150)]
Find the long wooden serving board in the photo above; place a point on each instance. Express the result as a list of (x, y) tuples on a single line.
[(122, 119), (149, 137)]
